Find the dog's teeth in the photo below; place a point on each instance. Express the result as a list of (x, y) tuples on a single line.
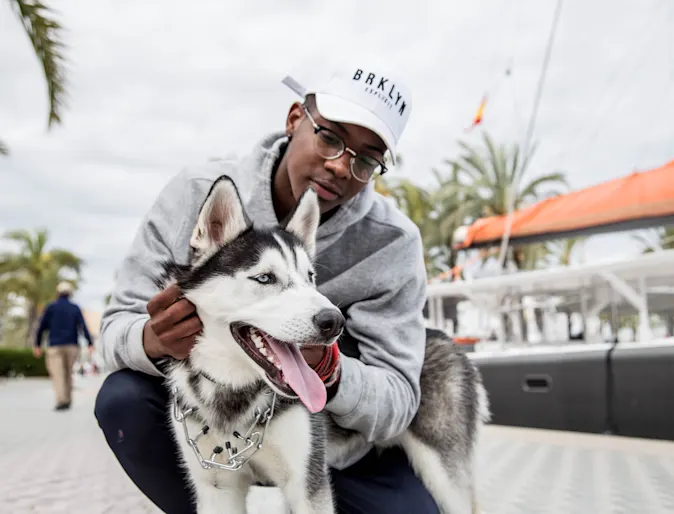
[(255, 337), (263, 351), (270, 358)]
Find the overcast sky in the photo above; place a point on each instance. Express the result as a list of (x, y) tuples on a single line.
[(155, 86)]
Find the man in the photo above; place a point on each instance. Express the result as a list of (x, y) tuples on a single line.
[(369, 262), (63, 320)]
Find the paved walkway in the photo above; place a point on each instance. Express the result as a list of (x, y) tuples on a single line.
[(59, 462)]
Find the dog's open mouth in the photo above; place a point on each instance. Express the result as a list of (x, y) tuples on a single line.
[(284, 365)]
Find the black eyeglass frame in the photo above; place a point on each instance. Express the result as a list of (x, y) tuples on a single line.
[(319, 128)]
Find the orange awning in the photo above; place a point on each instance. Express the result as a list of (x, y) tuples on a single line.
[(639, 200)]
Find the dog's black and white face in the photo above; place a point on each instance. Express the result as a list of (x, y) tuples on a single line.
[(255, 293)]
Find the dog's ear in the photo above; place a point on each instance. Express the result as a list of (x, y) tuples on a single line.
[(303, 221), (222, 218)]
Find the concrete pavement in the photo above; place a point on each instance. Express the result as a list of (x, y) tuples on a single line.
[(59, 462)]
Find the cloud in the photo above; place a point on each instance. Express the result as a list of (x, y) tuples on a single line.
[(154, 88)]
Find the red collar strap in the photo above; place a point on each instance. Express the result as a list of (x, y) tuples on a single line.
[(329, 364)]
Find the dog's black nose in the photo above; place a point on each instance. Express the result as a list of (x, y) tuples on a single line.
[(330, 322)]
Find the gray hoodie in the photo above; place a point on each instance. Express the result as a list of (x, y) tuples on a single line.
[(369, 261)]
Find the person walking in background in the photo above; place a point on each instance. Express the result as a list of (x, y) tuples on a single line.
[(63, 320)]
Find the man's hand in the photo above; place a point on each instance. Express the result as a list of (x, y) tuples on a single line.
[(37, 352), (172, 327), (325, 361), (313, 354)]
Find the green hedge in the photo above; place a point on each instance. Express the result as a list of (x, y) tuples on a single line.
[(15, 361)]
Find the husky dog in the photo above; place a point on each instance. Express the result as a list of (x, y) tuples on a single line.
[(245, 399)]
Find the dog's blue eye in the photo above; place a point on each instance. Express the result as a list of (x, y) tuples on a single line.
[(264, 278)]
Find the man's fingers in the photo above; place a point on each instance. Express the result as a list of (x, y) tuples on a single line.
[(180, 310), (186, 328), (193, 326), (163, 299), (172, 316), (183, 347)]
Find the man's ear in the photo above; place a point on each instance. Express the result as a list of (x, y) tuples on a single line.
[(303, 221), (221, 220), (295, 116)]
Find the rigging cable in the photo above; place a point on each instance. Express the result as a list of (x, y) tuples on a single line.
[(530, 129)]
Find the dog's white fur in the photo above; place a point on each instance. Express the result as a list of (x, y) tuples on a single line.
[(286, 313)]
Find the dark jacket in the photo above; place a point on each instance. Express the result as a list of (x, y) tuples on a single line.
[(62, 319)]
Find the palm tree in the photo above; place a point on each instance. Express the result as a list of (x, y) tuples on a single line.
[(382, 186), (34, 271), (552, 253), (12, 326), (428, 210), (531, 256), (482, 181), (44, 33), (562, 250), (660, 238), (448, 214)]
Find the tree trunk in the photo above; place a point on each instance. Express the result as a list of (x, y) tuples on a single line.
[(451, 261), (33, 321)]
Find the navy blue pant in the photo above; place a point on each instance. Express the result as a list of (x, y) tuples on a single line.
[(131, 411)]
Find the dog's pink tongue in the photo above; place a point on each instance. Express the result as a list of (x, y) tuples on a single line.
[(303, 380)]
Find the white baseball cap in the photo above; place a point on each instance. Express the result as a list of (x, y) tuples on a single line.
[(64, 288), (362, 95)]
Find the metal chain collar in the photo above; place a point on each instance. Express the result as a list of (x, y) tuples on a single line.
[(235, 459)]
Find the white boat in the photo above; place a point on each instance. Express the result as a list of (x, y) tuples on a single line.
[(594, 294)]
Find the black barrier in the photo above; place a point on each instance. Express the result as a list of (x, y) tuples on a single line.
[(643, 397), (564, 390)]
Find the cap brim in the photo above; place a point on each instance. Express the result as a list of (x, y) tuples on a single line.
[(335, 108)]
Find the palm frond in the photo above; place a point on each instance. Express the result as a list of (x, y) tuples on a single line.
[(474, 159), (18, 284), (33, 271), (439, 178), (525, 162), (44, 33), (645, 239), (531, 190), (497, 158), (19, 236), (459, 168), (66, 259), (515, 159), (655, 239), (667, 240), (14, 263)]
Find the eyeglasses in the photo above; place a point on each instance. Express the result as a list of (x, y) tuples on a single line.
[(330, 146)]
